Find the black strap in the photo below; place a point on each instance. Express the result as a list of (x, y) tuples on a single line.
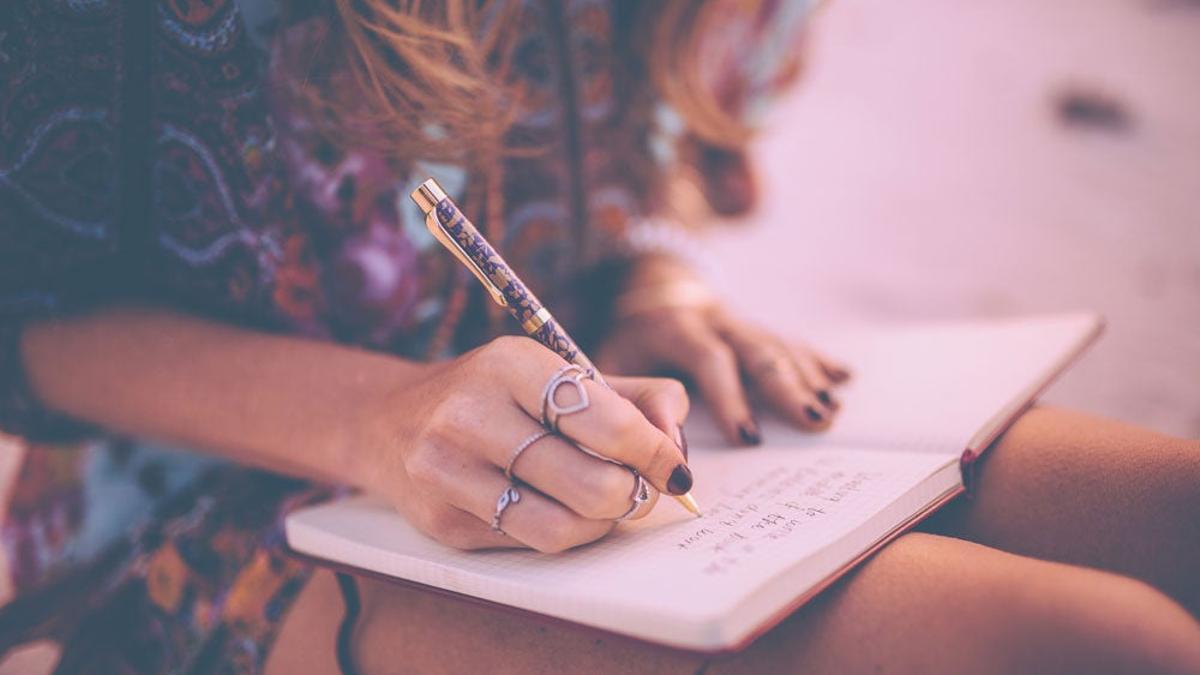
[(345, 634)]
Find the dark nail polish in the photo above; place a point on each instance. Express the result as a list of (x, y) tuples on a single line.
[(681, 480), (749, 433), (813, 414), (825, 399), (681, 440)]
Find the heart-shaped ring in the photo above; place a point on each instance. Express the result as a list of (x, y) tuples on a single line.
[(568, 375), (641, 495)]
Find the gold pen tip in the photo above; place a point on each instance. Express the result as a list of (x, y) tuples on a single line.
[(689, 503)]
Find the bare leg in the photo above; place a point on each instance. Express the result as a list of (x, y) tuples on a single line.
[(1065, 486), (924, 604)]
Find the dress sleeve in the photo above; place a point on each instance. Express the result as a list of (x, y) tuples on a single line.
[(60, 186)]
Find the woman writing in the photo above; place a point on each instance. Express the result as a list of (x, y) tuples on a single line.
[(206, 242)]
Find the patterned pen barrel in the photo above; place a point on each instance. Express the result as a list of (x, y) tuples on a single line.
[(457, 233)]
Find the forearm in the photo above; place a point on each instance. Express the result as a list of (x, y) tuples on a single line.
[(278, 402)]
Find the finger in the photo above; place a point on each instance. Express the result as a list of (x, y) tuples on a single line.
[(816, 379), (453, 527), (778, 375), (663, 401), (589, 486), (524, 367), (790, 395), (608, 425), (635, 511), (835, 370), (613, 427), (534, 519), (713, 365)]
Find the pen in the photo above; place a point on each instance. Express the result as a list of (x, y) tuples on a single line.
[(450, 227)]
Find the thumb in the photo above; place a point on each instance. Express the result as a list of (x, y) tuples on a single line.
[(663, 401)]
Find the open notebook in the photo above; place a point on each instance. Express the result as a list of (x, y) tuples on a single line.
[(781, 522)]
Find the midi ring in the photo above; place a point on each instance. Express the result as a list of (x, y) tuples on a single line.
[(522, 447), (569, 374), (768, 366), (641, 495), (507, 498)]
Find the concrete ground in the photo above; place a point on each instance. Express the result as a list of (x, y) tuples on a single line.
[(924, 170)]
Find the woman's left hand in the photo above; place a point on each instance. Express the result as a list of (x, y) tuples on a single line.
[(724, 357)]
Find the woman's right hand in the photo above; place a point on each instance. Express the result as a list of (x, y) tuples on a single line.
[(438, 447)]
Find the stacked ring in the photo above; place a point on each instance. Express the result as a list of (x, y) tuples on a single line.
[(522, 447), (641, 495), (569, 374), (507, 498)]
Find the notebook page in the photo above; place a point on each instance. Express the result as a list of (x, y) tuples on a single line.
[(670, 577), (931, 388)]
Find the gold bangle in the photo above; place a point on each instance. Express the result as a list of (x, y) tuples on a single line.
[(672, 295)]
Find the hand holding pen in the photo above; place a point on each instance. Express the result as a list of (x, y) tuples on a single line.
[(571, 391)]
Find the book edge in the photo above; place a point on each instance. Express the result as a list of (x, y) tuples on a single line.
[(1004, 418)]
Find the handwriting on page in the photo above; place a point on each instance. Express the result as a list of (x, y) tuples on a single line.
[(774, 506)]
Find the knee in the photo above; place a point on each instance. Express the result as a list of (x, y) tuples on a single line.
[(1175, 466), (1098, 622), (1186, 459)]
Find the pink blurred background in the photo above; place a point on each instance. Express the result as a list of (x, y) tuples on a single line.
[(923, 170)]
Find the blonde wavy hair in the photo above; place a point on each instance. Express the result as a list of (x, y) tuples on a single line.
[(428, 79)]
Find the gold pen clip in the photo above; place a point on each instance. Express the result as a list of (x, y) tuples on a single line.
[(427, 196)]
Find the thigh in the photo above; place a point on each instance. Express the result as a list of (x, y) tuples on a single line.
[(406, 630), (924, 604), (928, 604), (1070, 487)]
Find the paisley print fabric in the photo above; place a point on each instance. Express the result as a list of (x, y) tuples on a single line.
[(145, 156)]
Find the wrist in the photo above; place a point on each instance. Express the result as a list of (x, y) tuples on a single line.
[(681, 294), (373, 420), (653, 268), (658, 283)]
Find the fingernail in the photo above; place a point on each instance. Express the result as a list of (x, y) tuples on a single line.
[(827, 399), (813, 414), (681, 480), (681, 440), (749, 433)]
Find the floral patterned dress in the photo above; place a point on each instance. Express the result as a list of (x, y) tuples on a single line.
[(144, 157)]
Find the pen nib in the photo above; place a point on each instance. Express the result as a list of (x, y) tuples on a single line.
[(689, 503)]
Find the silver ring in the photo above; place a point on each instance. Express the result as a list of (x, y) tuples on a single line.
[(507, 498), (641, 495), (569, 374), (522, 447)]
